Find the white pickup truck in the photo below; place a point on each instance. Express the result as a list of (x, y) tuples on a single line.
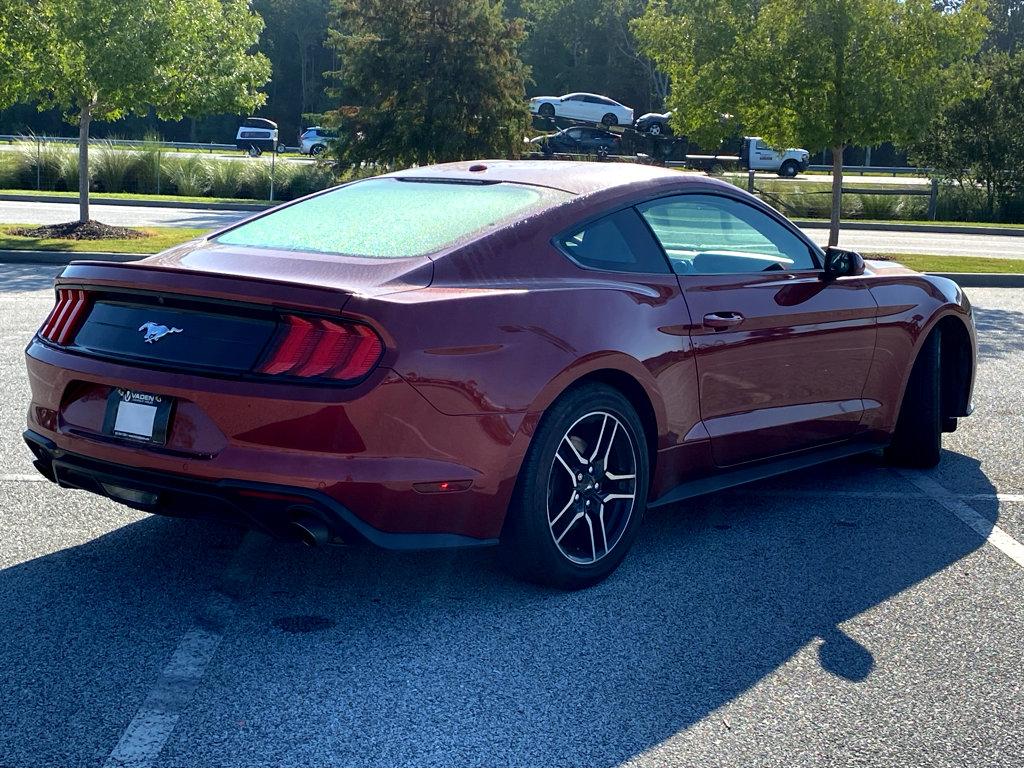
[(758, 156)]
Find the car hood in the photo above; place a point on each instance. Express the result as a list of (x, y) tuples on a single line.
[(352, 274)]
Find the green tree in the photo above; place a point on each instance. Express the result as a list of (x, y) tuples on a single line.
[(587, 45), (423, 81), (103, 59), (821, 73), (295, 41), (976, 141)]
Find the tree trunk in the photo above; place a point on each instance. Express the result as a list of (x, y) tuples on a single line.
[(837, 194), (84, 118)]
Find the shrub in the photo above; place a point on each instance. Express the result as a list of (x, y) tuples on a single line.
[(112, 166), (892, 207), (226, 177), (255, 181), (189, 175), (47, 165), (312, 178)]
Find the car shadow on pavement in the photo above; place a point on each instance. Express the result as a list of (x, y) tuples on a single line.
[(361, 657), (1000, 332)]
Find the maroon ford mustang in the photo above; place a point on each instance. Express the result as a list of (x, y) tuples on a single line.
[(467, 354)]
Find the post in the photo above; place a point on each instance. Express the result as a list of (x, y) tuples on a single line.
[(933, 200), (273, 159), (159, 167), (39, 162), (750, 180)]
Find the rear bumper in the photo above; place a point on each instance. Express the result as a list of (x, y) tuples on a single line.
[(368, 454), (268, 507)]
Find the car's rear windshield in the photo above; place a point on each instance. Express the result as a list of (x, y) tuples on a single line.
[(391, 218)]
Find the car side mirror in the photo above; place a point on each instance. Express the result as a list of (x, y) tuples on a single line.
[(840, 263)]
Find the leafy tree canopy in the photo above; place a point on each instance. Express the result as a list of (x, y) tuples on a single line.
[(819, 73), (423, 81), (976, 141), (107, 58), (122, 56), (587, 45)]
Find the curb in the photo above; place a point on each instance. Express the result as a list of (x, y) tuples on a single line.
[(983, 279), (25, 256), (937, 229), (964, 279), (138, 203)]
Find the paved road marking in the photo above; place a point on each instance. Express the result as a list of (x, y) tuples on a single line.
[(805, 493), (22, 477), (146, 735), (985, 528)]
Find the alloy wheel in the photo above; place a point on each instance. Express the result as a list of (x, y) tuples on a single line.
[(592, 487)]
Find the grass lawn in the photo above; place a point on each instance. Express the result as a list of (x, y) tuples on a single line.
[(159, 239), (99, 197), (937, 263), (917, 222)]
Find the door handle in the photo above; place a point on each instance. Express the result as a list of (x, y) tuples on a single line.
[(722, 320)]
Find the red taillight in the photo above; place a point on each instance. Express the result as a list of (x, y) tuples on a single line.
[(316, 347), (62, 322)]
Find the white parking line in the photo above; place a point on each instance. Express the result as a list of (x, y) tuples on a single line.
[(22, 477), (146, 735), (992, 534)]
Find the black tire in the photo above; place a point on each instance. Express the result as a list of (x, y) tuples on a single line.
[(317, 149), (655, 129), (281, 149), (254, 151), (609, 120), (546, 110), (789, 169), (602, 152), (599, 518), (917, 440)]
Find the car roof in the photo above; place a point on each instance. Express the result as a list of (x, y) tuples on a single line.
[(577, 177)]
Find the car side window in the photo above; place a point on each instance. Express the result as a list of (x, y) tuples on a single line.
[(717, 235), (574, 133), (619, 242)]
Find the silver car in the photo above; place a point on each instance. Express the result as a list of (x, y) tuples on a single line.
[(314, 140)]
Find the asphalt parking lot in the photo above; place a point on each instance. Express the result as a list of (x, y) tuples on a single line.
[(849, 615)]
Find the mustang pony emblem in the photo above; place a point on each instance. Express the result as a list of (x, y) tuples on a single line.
[(155, 331)]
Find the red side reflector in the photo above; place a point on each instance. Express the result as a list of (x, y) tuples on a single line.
[(316, 347), (442, 486)]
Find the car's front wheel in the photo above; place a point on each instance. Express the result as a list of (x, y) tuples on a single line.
[(581, 493), (917, 440), (317, 149), (546, 110)]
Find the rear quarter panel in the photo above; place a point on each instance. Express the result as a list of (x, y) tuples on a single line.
[(510, 323)]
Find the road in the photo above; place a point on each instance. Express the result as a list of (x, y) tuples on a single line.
[(860, 240), (845, 615), (866, 180)]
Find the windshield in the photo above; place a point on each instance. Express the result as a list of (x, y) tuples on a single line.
[(388, 218)]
